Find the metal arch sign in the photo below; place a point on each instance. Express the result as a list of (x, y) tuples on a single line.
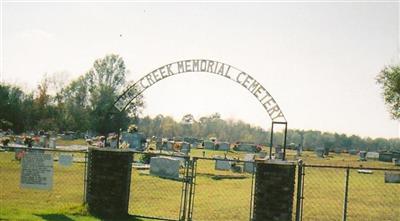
[(203, 65)]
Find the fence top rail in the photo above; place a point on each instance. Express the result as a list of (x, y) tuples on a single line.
[(132, 151), (225, 159), (350, 167), (45, 149)]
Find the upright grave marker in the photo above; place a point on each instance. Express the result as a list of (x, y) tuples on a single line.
[(166, 167), (37, 171)]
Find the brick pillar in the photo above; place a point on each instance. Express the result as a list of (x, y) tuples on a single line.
[(274, 189), (108, 182)]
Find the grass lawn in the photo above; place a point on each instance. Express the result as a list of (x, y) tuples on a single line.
[(220, 195)]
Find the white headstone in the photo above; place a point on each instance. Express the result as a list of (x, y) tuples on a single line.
[(372, 155), (37, 171), (52, 143), (165, 167), (65, 160), (43, 141)]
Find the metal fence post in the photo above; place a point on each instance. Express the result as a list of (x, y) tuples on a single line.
[(346, 195), (186, 180), (192, 189), (85, 178), (299, 190), (252, 191)]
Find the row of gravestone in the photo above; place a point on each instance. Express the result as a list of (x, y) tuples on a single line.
[(364, 155), (168, 167), (42, 141)]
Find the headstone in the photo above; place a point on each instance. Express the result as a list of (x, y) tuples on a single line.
[(396, 161), (299, 150), (278, 149), (247, 147), (392, 177), (222, 164), (237, 168), (372, 155), (170, 145), (165, 167), (319, 152), (161, 144), (362, 156), (136, 140), (19, 140), (249, 165), (185, 148), (113, 143), (385, 156), (65, 160), (52, 143), (352, 152), (37, 171), (43, 141), (225, 146), (209, 145), (262, 154)]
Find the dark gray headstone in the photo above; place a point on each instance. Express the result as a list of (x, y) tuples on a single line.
[(363, 155), (136, 141), (320, 152), (222, 164), (209, 145), (225, 146)]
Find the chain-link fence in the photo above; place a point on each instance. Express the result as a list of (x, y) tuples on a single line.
[(340, 193), (223, 189), (176, 187), (159, 191), (67, 189)]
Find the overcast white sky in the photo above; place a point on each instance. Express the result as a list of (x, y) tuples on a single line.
[(318, 60)]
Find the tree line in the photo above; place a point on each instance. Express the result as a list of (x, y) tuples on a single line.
[(232, 131), (86, 104)]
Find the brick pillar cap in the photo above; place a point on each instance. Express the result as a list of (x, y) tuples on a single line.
[(108, 149), (279, 162)]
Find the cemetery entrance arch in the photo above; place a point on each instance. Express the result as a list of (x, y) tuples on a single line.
[(214, 67)]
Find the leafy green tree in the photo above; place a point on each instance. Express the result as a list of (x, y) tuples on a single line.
[(88, 101), (389, 79)]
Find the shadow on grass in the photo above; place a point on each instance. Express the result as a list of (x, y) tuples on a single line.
[(54, 217), (62, 217)]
